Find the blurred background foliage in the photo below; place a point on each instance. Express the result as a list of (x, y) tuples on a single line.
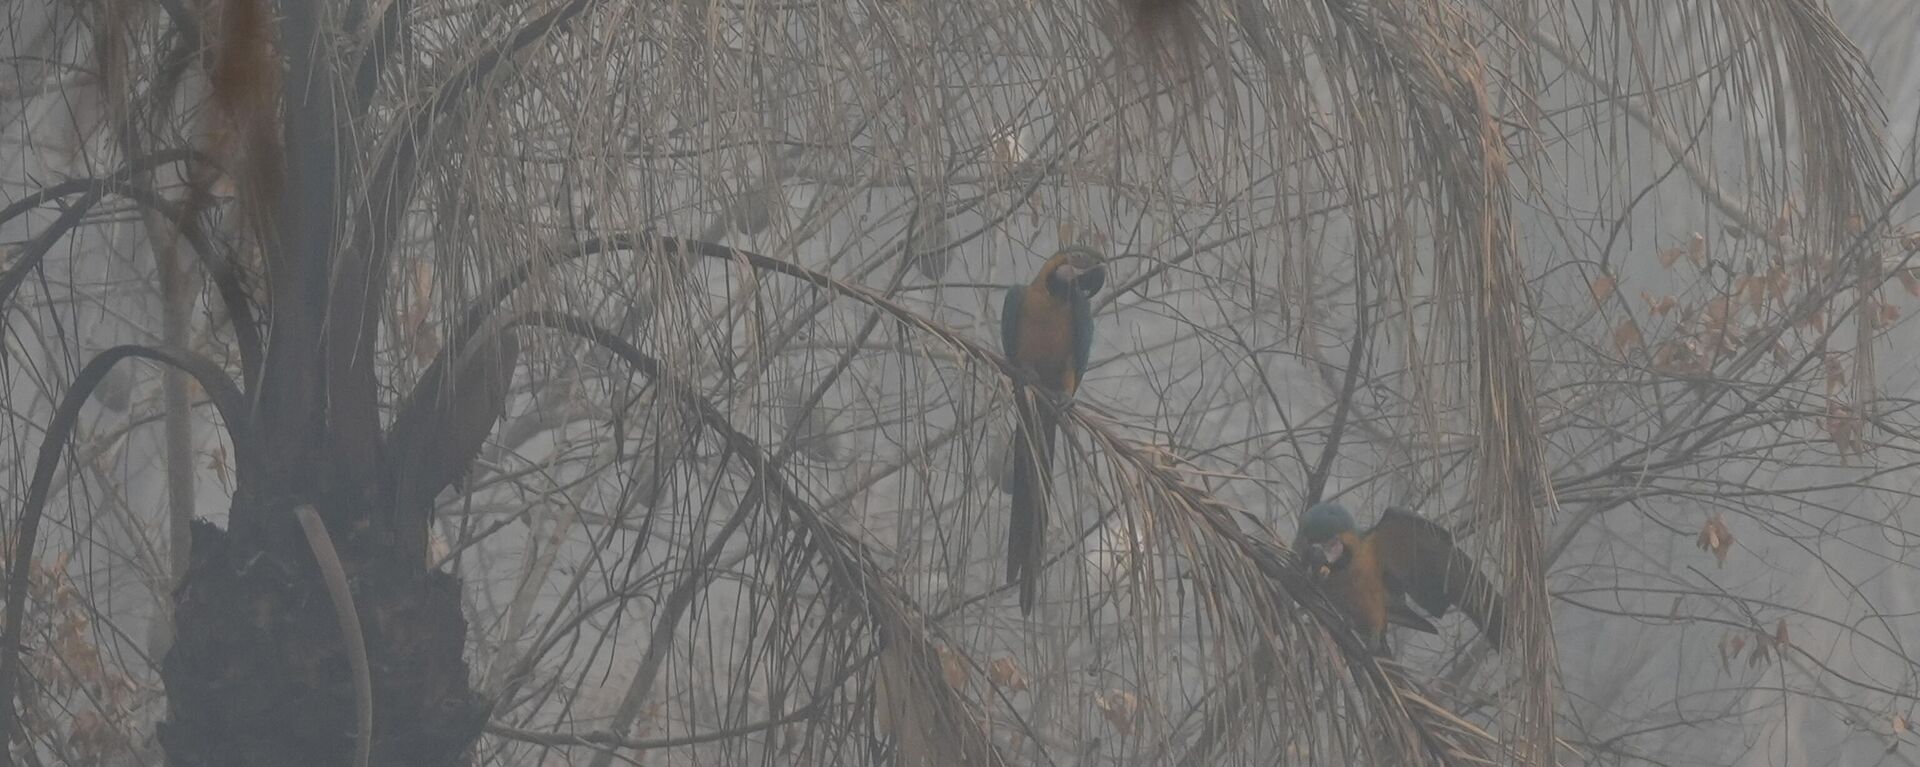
[(1634, 282)]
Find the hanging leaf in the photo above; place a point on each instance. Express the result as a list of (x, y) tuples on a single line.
[(1679, 357), (1697, 250), (1005, 673), (1602, 288), (1715, 537), (1779, 284), (1717, 312), (1626, 338), (1117, 707), (1670, 256), (953, 667), (1659, 308), (1843, 429)]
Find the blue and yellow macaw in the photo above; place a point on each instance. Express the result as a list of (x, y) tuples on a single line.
[(1046, 330), (1370, 575)]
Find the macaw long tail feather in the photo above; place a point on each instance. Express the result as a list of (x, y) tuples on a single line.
[(1032, 469)]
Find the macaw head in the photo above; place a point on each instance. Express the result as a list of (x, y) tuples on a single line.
[(1326, 537), (1076, 271)]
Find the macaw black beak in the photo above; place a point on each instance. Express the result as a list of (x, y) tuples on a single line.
[(1328, 553), (1067, 279), (1092, 280)]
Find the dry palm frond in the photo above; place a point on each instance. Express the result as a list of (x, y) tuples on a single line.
[(1245, 584), (1401, 134), (928, 718)]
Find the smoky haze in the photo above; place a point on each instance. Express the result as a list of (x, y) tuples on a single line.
[(1632, 287)]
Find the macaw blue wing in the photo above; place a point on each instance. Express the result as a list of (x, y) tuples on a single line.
[(1082, 334), (1010, 322)]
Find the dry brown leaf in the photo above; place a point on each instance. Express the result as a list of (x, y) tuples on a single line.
[(1117, 706), (422, 289), (1856, 224), (1670, 256), (1844, 429), (1626, 338), (1779, 283), (1660, 307), (1602, 288), (1911, 241), (1697, 250), (1066, 232), (1676, 356), (1756, 294), (1900, 724), (1910, 281), (1887, 316), (1005, 673), (954, 668), (1717, 312), (1715, 537), (1780, 633)]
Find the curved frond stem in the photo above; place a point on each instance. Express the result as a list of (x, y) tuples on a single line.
[(902, 633), (226, 398)]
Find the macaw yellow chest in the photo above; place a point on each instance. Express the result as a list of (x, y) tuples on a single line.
[(1046, 338), (1359, 588)]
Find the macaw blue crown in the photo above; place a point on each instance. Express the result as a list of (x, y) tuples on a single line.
[(1324, 521)]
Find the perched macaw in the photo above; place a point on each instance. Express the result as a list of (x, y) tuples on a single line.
[(1370, 575), (1046, 330)]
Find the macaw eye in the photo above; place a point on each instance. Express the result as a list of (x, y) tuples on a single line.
[(1330, 551)]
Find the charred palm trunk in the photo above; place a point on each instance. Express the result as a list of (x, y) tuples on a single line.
[(267, 666), (310, 631), (260, 674)]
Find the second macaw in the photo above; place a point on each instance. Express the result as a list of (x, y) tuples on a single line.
[(1370, 575), (1046, 330)]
